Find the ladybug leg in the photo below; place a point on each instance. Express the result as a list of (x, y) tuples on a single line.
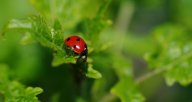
[(84, 54), (82, 57)]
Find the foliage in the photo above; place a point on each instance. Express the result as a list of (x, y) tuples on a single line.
[(13, 91), (109, 73), (173, 54)]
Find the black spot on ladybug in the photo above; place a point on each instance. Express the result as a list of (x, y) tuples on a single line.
[(78, 39), (68, 39), (74, 47)]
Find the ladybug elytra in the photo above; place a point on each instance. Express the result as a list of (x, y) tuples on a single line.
[(77, 45)]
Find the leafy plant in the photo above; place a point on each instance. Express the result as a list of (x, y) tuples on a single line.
[(109, 69), (13, 91)]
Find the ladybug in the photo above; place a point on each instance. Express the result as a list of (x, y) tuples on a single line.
[(77, 45)]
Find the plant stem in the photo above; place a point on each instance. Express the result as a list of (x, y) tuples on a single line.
[(52, 8), (164, 68), (103, 8), (125, 14)]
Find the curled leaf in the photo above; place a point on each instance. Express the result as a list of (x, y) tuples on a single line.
[(92, 73)]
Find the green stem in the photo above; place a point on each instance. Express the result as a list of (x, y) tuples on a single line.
[(125, 15), (103, 8), (164, 68), (52, 8)]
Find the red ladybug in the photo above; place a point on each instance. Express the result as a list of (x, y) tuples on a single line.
[(77, 45)]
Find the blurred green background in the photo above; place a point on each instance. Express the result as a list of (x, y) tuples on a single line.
[(133, 22)]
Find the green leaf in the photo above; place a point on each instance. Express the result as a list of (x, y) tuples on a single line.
[(67, 11), (60, 59), (95, 25), (27, 39), (13, 91), (181, 72), (33, 91), (126, 89), (18, 24), (92, 73), (172, 55), (37, 30)]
